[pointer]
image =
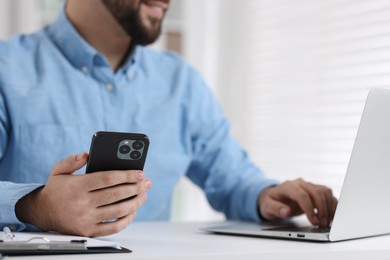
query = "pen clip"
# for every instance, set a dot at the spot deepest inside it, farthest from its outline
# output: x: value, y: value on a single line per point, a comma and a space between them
x: 8, y: 235
x: 38, y: 238
x: 43, y: 244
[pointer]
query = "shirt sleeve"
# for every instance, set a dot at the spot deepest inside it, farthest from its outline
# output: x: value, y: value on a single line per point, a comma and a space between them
x: 231, y: 181
x: 10, y: 192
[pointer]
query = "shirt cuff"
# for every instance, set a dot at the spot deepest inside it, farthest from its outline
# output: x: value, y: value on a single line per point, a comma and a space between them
x: 253, y: 197
x: 14, y: 194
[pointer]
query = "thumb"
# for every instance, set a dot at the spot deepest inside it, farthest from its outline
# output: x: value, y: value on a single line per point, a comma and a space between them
x: 276, y: 209
x: 70, y: 164
x: 284, y: 211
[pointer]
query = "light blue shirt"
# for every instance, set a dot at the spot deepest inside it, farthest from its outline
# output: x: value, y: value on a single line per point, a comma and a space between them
x: 56, y: 90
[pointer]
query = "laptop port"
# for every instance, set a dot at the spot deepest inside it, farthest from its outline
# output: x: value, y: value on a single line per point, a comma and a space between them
x: 300, y: 235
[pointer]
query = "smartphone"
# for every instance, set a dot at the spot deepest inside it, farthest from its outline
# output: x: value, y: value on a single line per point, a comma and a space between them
x: 117, y: 151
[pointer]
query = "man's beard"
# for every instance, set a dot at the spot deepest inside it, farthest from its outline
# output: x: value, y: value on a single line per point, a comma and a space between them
x: 130, y: 20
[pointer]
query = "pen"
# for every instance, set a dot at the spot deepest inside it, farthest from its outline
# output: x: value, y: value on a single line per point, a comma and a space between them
x: 8, y: 234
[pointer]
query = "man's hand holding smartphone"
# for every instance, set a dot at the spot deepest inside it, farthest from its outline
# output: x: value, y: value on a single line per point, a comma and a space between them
x: 81, y: 204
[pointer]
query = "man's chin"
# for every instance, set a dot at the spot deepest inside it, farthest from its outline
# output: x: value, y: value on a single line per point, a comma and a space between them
x: 145, y: 39
x: 149, y: 33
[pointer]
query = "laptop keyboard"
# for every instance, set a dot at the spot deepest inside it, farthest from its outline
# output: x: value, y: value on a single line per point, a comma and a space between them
x: 308, y: 229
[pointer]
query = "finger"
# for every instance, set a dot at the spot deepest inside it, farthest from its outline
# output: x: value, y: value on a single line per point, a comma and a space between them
x: 108, y: 228
x: 333, y: 207
x: 317, y: 194
x: 117, y: 193
x: 70, y: 164
x: 121, y: 209
x: 332, y: 203
x: 303, y: 199
x: 100, y: 180
x: 273, y: 209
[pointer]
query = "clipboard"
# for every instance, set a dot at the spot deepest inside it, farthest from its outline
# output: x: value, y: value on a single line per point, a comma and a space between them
x: 42, y: 245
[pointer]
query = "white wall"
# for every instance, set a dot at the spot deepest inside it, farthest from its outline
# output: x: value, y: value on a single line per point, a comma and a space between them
x: 19, y: 16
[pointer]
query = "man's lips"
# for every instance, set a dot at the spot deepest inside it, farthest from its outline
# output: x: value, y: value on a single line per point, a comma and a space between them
x: 156, y: 9
x: 161, y: 4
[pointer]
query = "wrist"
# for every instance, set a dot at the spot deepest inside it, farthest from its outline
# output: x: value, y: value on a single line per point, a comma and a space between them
x: 260, y: 201
x: 28, y: 209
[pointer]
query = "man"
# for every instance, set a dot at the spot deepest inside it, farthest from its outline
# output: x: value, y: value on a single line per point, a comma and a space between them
x: 88, y: 72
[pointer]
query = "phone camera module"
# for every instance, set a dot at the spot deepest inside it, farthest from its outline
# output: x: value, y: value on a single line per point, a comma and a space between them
x: 137, y: 145
x: 135, y: 155
x: 124, y: 149
x: 129, y: 149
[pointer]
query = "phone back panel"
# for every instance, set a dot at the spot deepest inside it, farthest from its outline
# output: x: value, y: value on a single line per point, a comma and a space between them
x: 117, y: 151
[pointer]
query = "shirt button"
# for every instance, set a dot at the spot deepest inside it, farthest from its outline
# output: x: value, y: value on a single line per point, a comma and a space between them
x: 84, y: 69
x: 129, y: 74
x: 109, y: 87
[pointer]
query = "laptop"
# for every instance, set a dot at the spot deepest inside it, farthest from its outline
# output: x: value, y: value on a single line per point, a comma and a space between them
x: 363, y: 209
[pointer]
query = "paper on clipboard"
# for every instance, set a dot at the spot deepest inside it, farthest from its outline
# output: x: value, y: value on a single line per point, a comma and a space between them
x: 91, y: 242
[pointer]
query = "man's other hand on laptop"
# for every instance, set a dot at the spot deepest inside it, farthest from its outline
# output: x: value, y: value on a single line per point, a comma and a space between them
x: 293, y: 198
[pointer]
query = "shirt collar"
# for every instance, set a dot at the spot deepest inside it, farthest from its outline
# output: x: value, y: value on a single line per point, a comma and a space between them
x: 79, y: 52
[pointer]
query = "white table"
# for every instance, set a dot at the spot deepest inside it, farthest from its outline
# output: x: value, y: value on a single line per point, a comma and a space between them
x: 165, y: 240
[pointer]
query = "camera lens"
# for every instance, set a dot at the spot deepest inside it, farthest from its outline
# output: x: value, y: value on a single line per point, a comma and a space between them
x: 124, y: 149
x: 137, y: 145
x: 135, y: 155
